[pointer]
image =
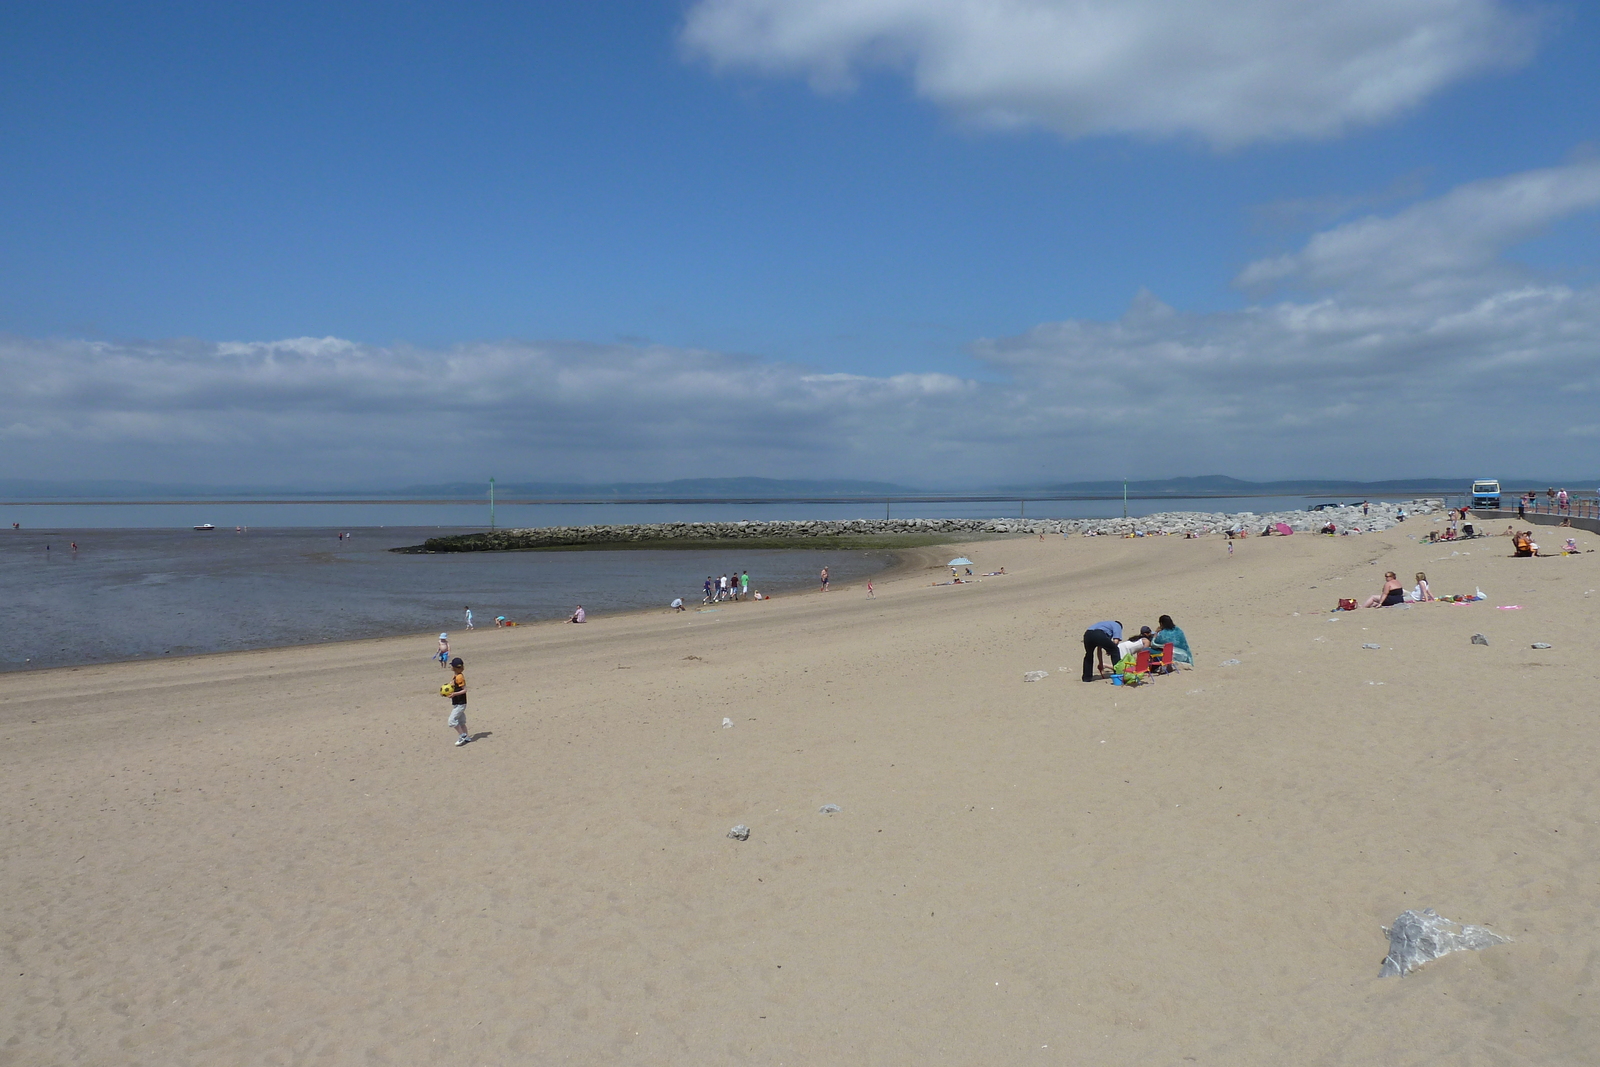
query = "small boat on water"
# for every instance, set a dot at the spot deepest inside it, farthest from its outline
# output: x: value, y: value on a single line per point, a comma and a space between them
x: 205, y: 526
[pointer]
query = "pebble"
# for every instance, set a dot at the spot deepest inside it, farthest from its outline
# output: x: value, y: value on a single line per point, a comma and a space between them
x: 740, y: 832
x: 1540, y: 644
x: 1479, y: 639
x: 1371, y: 646
x: 828, y: 809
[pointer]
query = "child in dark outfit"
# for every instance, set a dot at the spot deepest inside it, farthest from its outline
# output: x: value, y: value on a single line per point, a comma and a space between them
x: 458, y: 702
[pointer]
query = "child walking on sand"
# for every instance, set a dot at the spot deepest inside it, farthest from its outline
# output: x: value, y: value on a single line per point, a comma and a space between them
x: 444, y: 650
x: 457, y: 692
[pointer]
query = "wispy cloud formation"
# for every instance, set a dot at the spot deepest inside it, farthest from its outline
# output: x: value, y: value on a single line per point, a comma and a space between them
x: 1414, y: 340
x: 1455, y: 240
x: 1228, y: 71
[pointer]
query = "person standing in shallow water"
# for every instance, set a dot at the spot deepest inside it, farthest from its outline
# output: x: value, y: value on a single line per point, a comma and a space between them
x: 824, y: 577
x: 468, y: 610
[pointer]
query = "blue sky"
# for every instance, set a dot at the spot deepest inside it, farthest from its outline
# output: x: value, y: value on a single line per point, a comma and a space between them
x: 947, y: 242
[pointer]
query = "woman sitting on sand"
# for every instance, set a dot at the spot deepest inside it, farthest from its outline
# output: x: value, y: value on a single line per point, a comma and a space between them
x: 1169, y: 634
x: 1389, y: 595
x: 1422, y: 594
x: 579, y: 616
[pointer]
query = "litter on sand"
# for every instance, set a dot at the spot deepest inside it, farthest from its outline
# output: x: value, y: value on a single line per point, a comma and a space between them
x: 727, y: 724
x: 1371, y: 646
x: 740, y: 832
x: 1035, y: 676
x: 1230, y: 663
x: 1419, y: 937
x: 1540, y: 644
x: 828, y: 809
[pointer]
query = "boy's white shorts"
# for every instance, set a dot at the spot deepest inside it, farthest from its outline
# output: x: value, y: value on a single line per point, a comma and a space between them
x: 458, y: 715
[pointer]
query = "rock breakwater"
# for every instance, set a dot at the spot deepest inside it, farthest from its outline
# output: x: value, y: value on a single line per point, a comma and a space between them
x: 799, y: 533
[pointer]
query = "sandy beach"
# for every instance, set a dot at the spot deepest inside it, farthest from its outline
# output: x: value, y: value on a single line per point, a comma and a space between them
x: 279, y: 857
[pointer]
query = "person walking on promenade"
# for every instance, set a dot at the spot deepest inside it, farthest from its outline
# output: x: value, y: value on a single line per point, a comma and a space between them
x: 469, y: 618
x: 1101, y: 637
x: 457, y: 692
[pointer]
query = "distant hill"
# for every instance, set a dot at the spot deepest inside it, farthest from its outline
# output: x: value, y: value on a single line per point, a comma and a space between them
x: 680, y: 488
x: 1211, y: 485
x: 689, y: 488
x: 1222, y: 485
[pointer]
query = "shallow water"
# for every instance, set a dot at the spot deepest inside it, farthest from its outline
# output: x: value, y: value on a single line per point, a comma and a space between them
x: 133, y: 594
x: 387, y: 513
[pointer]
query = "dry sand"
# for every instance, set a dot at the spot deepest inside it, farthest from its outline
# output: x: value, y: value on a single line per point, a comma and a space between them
x: 279, y: 858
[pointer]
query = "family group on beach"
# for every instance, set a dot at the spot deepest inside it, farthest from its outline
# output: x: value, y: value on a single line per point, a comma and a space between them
x: 1156, y: 651
x: 723, y: 587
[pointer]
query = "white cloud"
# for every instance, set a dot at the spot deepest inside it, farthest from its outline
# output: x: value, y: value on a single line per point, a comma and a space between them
x: 1454, y: 240
x: 1424, y: 351
x: 1228, y: 71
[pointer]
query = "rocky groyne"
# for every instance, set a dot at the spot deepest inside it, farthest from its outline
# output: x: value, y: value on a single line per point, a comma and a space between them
x: 800, y: 533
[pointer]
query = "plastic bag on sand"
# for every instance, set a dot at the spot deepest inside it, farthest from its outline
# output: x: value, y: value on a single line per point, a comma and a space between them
x: 1418, y: 937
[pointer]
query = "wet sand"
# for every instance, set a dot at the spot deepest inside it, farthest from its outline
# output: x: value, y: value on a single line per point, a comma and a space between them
x: 279, y: 857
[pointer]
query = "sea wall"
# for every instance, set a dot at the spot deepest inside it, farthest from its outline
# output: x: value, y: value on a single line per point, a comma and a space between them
x: 799, y: 531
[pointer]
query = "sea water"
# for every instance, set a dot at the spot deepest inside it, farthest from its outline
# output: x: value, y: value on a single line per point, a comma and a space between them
x: 142, y: 584
x: 460, y: 517
x: 136, y: 594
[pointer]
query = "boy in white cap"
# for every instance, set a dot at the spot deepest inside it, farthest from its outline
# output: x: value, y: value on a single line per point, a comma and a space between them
x: 444, y: 650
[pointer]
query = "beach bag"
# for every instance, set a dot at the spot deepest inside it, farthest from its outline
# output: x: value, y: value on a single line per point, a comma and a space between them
x: 1345, y: 605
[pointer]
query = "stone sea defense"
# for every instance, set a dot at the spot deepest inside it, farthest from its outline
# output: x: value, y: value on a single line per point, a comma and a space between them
x: 740, y: 832
x: 799, y: 531
x: 1479, y: 639
x: 1419, y: 937
x: 828, y: 809
x: 1035, y: 676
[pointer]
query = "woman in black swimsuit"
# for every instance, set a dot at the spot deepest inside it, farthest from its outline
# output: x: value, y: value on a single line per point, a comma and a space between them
x: 1392, y: 593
